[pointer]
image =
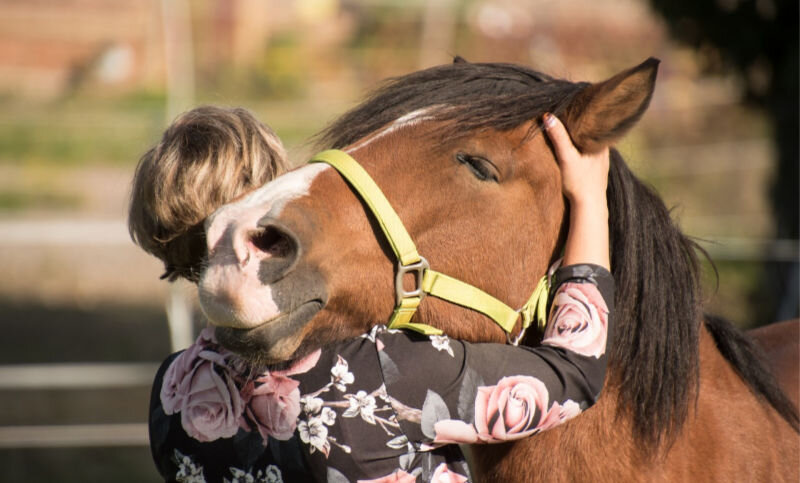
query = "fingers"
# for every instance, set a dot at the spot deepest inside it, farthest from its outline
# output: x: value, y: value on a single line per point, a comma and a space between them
x: 557, y: 133
x: 584, y: 177
x: 565, y: 150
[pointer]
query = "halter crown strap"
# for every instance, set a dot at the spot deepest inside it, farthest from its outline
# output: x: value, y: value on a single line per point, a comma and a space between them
x: 428, y: 281
x: 390, y: 223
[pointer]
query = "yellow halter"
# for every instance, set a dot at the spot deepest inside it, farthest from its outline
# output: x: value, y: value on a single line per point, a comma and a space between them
x: 428, y: 281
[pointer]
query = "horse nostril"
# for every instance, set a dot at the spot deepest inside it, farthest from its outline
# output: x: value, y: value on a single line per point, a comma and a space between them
x: 273, y: 242
x: 277, y: 250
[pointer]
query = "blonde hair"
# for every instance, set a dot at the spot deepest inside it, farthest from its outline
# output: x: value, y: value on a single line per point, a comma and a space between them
x: 206, y: 158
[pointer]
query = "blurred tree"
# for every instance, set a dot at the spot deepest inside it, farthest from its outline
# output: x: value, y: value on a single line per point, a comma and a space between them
x: 759, y: 40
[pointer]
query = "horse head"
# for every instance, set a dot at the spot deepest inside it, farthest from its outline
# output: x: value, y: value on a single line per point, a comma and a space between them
x: 301, y: 262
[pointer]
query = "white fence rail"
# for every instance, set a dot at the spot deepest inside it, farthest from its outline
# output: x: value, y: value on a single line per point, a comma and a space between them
x: 75, y: 376
x: 71, y: 436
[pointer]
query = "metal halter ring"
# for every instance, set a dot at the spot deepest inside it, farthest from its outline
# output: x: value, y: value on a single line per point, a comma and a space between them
x: 418, y: 269
x: 518, y: 338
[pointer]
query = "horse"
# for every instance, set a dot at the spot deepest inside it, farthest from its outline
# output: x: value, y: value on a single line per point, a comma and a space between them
x: 780, y: 346
x: 458, y: 152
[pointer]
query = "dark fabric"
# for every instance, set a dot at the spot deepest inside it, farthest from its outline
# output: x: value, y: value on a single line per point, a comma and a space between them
x: 390, y: 402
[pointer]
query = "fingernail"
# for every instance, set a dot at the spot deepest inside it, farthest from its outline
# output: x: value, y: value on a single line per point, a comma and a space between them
x: 548, y: 120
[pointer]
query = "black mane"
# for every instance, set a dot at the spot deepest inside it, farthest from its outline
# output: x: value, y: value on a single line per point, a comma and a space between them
x: 477, y: 96
x: 654, y: 361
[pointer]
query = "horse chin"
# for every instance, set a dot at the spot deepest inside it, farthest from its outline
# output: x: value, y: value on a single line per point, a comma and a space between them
x: 273, y: 343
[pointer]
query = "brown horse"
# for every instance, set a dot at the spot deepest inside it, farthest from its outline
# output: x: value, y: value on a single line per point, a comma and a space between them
x: 456, y: 149
x: 781, y: 345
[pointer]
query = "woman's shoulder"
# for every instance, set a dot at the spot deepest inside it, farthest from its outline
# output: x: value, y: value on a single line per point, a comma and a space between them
x: 210, y: 419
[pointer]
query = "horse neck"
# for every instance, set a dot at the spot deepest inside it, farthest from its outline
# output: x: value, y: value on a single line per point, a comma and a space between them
x: 599, y: 445
x: 730, y: 435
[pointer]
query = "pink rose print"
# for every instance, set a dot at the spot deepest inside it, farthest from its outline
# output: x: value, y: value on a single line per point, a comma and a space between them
x: 558, y: 414
x: 173, y: 389
x: 442, y: 474
x: 172, y: 392
x: 203, y: 384
x: 207, y: 336
x: 398, y: 476
x: 454, y: 431
x: 273, y: 406
x: 177, y: 376
x: 506, y: 411
x: 578, y: 320
x: 211, y: 405
x: 300, y: 366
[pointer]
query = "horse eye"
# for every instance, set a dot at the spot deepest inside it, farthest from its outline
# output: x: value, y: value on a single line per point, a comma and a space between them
x: 482, y: 168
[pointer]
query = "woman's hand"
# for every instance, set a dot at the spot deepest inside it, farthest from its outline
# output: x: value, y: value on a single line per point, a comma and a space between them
x: 584, y: 179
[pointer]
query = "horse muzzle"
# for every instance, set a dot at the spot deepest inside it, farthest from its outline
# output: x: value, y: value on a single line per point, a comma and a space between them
x: 257, y: 289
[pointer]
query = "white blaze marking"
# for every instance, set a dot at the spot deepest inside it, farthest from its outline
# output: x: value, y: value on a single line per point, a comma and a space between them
x: 272, y: 197
x: 410, y: 119
x: 284, y: 188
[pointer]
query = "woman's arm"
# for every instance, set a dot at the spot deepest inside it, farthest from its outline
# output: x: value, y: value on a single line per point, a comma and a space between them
x: 450, y: 391
x: 584, y: 179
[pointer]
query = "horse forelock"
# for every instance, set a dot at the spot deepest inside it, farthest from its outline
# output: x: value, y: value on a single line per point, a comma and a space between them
x: 475, y: 96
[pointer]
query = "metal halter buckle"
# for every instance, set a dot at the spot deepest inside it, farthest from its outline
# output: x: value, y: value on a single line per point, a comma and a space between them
x: 418, y: 269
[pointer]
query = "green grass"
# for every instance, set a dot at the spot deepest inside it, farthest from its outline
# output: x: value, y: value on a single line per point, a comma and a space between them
x: 78, y: 131
x: 731, y: 294
x: 16, y: 200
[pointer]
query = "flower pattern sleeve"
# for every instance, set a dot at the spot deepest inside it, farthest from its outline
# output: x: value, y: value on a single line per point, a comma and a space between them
x: 486, y: 393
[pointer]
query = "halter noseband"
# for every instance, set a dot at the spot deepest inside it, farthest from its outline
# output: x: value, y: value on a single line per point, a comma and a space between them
x: 429, y: 281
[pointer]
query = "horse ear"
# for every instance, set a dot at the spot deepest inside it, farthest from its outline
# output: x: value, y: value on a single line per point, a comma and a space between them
x: 459, y: 60
x: 602, y: 113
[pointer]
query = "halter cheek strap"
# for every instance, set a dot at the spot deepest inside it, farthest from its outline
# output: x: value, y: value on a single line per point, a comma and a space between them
x: 428, y: 281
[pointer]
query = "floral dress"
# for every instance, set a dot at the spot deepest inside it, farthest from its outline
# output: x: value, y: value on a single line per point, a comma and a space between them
x: 386, y: 406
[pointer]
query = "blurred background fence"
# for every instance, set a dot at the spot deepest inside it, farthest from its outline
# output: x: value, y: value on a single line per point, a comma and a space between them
x: 87, y: 85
